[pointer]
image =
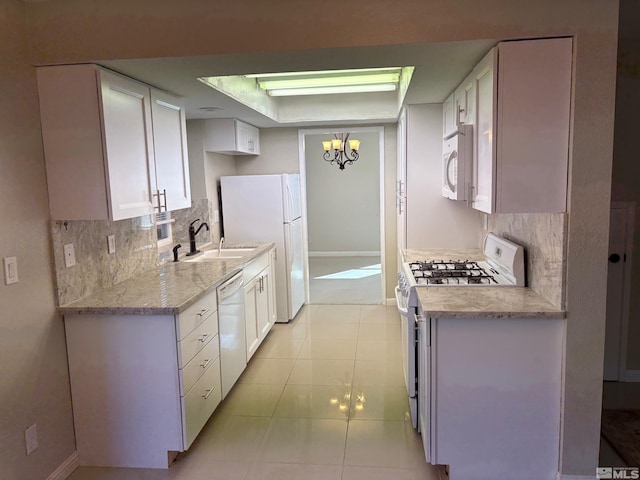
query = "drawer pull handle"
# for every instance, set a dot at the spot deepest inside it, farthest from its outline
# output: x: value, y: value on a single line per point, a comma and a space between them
x: 208, y: 392
x: 204, y: 337
x: 202, y: 312
x: 206, y: 363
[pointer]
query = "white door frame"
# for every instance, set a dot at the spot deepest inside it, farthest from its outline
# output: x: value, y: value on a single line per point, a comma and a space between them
x: 630, y: 207
x: 303, y: 186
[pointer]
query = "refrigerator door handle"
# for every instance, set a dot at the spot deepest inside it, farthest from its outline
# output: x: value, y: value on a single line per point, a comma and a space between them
x: 289, y: 206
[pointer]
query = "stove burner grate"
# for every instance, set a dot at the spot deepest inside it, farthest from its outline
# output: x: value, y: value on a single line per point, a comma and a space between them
x: 451, y: 273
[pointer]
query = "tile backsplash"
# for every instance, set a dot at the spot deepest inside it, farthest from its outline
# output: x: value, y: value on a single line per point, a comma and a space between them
x: 136, y: 249
x: 543, y: 236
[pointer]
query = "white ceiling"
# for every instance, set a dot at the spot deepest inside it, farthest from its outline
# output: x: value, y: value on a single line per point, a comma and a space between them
x: 440, y: 67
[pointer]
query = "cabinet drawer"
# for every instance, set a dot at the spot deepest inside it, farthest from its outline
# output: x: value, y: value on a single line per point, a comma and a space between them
x: 199, y: 364
x: 255, y: 267
x: 197, y: 339
x: 200, y: 402
x: 195, y: 314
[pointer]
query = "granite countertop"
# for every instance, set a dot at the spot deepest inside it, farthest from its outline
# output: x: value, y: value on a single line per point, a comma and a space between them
x: 430, y: 254
x: 485, y: 302
x: 166, y: 290
x: 477, y: 302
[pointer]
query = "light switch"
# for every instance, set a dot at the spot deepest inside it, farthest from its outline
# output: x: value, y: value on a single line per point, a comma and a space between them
x: 69, y: 255
x: 10, y: 270
x: 216, y: 216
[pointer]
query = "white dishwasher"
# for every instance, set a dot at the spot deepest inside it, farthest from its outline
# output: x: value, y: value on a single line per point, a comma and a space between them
x: 233, y: 350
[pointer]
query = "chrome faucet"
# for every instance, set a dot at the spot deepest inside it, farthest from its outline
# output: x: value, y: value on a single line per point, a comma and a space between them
x: 192, y: 236
x: 220, y: 245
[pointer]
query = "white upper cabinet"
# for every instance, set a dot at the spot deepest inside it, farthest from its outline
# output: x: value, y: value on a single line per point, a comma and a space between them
x: 448, y: 116
x: 483, y: 133
x: 172, y: 186
x: 232, y: 137
x: 521, y: 131
x: 98, y: 136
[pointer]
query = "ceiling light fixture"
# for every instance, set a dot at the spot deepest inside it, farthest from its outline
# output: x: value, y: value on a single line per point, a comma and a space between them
x: 335, y: 150
x: 324, y: 82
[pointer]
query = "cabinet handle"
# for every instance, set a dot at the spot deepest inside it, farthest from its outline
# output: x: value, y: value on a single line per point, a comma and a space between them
x: 206, y: 363
x: 157, y: 207
x: 204, y: 337
x: 164, y: 194
x: 202, y: 312
x: 207, y: 393
x: 460, y: 110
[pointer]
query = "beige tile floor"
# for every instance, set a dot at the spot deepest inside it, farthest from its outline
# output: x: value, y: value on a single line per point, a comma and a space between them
x: 322, y: 399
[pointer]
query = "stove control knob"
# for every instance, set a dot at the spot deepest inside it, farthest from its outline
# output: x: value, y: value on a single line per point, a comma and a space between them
x: 614, y: 258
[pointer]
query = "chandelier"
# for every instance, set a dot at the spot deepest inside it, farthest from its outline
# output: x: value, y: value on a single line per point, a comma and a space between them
x: 335, y: 151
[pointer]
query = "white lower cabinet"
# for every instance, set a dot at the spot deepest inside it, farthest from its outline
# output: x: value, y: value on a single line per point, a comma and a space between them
x: 143, y: 386
x: 259, y: 307
x: 490, y: 396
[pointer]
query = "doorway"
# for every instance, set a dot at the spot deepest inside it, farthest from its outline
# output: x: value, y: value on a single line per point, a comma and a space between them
x: 618, y: 289
x: 344, y: 221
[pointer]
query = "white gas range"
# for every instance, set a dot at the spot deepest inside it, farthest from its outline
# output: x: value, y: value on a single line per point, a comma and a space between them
x: 502, y: 266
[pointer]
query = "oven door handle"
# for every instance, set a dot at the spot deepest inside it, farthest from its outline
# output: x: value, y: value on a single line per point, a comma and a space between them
x: 402, y: 310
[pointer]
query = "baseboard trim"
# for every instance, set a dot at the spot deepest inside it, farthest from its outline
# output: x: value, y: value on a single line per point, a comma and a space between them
x: 67, y: 467
x: 391, y: 301
x: 560, y: 476
x: 632, y: 376
x: 344, y: 254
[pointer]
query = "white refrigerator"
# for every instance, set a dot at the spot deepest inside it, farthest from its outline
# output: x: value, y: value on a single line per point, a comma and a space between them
x: 267, y: 208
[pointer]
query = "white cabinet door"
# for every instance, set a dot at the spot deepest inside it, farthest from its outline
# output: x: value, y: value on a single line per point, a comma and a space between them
x: 263, y: 304
x: 126, y: 111
x: 247, y: 138
x: 448, y: 115
x: 464, y: 103
x: 271, y: 285
x: 534, y: 108
x: 484, y: 160
x: 171, y: 179
x: 251, y: 295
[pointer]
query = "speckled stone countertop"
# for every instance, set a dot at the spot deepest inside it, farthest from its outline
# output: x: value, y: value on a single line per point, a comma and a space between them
x: 167, y: 290
x: 430, y: 254
x: 485, y: 302
x: 477, y: 302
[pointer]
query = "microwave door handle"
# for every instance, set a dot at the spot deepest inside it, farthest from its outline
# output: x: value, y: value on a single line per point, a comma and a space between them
x: 452, y: 155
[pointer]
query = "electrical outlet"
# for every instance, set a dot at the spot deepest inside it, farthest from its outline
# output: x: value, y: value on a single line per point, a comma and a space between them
x: 485, y: 221
x: 31, y: 439
x: 10, y: 270
x: 69, y: 255
x: 216, y: 216
x: 111, y: 243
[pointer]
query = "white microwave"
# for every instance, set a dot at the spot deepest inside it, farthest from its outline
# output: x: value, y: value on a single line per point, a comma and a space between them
x: 457, y: 160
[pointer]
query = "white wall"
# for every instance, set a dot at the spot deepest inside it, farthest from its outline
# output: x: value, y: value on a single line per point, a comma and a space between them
x: 278, y: 153
x: 125, y: 29
x: 205, y: 170
x: 432, y: 220
x: 343, y: 206
x: 34, y: 381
